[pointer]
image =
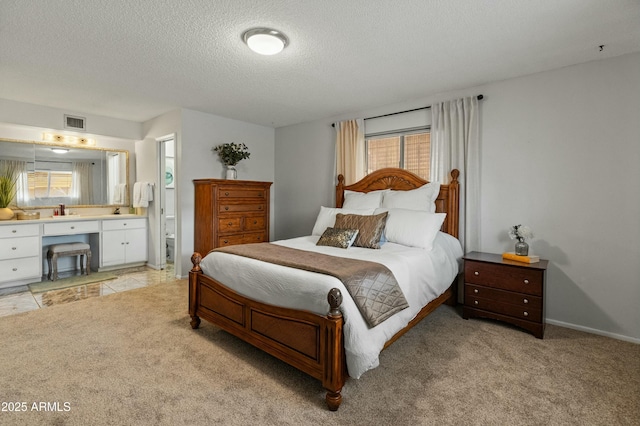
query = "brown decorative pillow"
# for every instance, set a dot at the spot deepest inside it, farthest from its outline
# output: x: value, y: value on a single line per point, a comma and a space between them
x: 341, y: 238
x: 370, y: 228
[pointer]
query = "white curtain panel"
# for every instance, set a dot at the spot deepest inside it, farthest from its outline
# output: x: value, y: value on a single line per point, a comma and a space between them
x: 82, y: 183
x: 350, y: 153
x: 455, y: 144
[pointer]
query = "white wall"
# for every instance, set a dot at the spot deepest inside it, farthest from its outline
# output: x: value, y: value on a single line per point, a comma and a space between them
x: 200, y: 132
x: 560, y: 153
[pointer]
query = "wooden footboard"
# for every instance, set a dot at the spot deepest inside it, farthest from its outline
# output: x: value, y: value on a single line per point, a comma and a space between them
x: 310, y: 342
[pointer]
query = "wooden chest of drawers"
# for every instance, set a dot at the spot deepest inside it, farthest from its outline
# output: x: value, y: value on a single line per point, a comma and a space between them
x: 229, y: 212
x: 505, y: 290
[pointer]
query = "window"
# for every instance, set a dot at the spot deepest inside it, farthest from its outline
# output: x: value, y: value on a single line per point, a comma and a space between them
x: 406, y: 150
x: 49, y: 184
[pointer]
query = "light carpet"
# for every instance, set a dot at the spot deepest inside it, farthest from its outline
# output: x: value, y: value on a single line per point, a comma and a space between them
x: 132, y: 359
x: 76, y: 280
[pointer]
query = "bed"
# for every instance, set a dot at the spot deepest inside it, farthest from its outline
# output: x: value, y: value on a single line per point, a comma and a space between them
x: 314, y: 332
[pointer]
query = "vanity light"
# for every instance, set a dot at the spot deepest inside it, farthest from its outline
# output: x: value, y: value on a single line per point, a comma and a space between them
x: 68, y: 139
x: 265, y: 41
x: 60, y: 150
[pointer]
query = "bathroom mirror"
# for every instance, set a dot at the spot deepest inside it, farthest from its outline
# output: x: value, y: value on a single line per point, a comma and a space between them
x: 51, y: 174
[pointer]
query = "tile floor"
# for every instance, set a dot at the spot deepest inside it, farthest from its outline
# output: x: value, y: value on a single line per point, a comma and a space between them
x: 127, y: 279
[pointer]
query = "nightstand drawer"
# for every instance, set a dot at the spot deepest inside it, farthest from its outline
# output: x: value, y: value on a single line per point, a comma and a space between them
x: 519, y: 299
x: 517, y: 311
x: 254, y: 237
x: 249, y: 207
x: 253, y: 223
x: 504, y: 277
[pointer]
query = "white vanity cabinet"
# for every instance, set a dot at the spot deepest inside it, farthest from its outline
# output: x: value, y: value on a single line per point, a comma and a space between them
x: 19, y: 254
x: 124, y: 242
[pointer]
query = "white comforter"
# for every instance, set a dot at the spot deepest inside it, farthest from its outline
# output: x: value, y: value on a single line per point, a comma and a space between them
x: 422, y: 275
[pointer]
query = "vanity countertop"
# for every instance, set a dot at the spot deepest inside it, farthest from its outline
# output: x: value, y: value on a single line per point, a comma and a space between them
x: 72, y: 217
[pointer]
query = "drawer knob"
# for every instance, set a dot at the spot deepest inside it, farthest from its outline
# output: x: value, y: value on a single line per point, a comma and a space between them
x: 226, y: 241
x: 475, y: 290
x: 14, y: 231
x: 526, y: 300
x: 73, y: 227
x: 124, y: 224
x: 15, y: 269
x: 476, y: 273
x: 230, y: 223
x: 226, y: 207
x: 13, y: 248
x: 226, y: 193
x: 526, y: 314
x: 475, y: 302
x: 255, y: 222
x: 259, y: 207
x: 526, y: 281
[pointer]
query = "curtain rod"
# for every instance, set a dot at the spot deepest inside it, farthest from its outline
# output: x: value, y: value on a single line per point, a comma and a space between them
x: 480, y: 97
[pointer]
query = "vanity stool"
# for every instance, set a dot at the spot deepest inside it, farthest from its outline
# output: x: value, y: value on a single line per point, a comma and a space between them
x: 67, y: 249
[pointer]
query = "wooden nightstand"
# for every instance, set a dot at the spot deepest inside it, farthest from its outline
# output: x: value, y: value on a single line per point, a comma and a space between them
x: 505, y: 290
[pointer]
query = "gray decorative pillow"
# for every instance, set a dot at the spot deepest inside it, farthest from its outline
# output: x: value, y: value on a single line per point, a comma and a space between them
x: 341, y: 238
x: 370, y: 228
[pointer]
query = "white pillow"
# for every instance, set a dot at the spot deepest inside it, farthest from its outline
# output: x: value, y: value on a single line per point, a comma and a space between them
x: 422, y: 198
x: 362, y: 200
x: 411, y: 227
x: 327, y: 218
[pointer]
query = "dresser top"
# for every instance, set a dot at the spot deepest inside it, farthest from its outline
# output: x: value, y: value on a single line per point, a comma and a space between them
x: 497, y: 258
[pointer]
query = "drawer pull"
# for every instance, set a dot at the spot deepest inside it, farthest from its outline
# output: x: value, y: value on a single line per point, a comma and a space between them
x: 230, y: 224
x: 526, y: 281
x: 14, y: 231
x: 476, y: 273
x: 259, y: 207
x: 526, y: 300
x: 124, y: 224
x: 255, y: 222
x: 526, y: 314
x: 475, y: 290
x: 475, y: 302
x: 15, y: 269
x: 226, y: 193
x: 73, y: 227
x: 226, y: 207
x: 13, y: 248
x: 226, y: 241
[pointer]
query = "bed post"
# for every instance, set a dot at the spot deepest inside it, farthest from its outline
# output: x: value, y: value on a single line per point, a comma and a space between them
x: 334, y: 375
x: 193, y: 289
x: 340, y: 191
x: 454, y: 204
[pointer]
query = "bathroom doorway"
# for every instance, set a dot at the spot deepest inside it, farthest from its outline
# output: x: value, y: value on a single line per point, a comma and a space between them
x: 168, y: 227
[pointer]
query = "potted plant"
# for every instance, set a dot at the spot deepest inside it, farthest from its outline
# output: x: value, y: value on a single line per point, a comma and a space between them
x: 8, y: 182
x: 231, y: 154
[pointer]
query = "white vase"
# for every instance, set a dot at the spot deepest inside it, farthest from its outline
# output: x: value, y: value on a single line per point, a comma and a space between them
x: 232, y: 173
x: 6, y: 213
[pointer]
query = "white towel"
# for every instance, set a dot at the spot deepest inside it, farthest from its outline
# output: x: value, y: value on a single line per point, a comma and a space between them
x: 120, y: 193
x: 142, y: 194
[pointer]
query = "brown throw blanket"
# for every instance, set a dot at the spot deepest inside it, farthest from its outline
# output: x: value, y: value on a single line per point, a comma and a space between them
x: 371, y: 285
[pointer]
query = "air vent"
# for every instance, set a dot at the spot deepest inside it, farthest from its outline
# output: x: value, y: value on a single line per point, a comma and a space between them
x: 74, y: 122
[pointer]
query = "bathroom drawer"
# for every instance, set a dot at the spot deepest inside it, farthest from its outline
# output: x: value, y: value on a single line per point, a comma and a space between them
x: 18, y: 269
x: 114, y: 225
x: 14, y: 248
x: 9, y: 231
x: 70, y: 228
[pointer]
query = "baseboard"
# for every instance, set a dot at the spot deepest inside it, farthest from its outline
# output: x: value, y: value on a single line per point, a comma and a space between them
x: 593, y: 331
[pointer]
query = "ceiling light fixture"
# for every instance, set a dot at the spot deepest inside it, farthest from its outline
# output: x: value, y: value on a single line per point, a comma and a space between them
x: 60, y: 150
x: 265, y: 41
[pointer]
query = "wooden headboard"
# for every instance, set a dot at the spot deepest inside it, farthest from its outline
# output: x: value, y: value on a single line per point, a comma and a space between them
x: 403, y: 180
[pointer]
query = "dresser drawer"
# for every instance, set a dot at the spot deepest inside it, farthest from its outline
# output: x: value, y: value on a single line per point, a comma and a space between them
x: 253, y: 223
x: 13, y: 248
x: 230, y: 224
x: 9, y: 231
x: 519, y: 299
x: 252, y: 237
x: 18, y: 269
x: 504, y: 277
x: 70, y: 228
x: 516, y: 311
x: 246, y: 207
x: 246, y: 192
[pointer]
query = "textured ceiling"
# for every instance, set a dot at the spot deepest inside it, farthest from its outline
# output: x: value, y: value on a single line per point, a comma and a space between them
x: 139, y: 59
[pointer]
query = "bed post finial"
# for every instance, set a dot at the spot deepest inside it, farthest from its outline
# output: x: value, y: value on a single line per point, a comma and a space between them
x: 196, y: 258
x: 455, y: 173
x: 335, y: 300
x: 340, y: 191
